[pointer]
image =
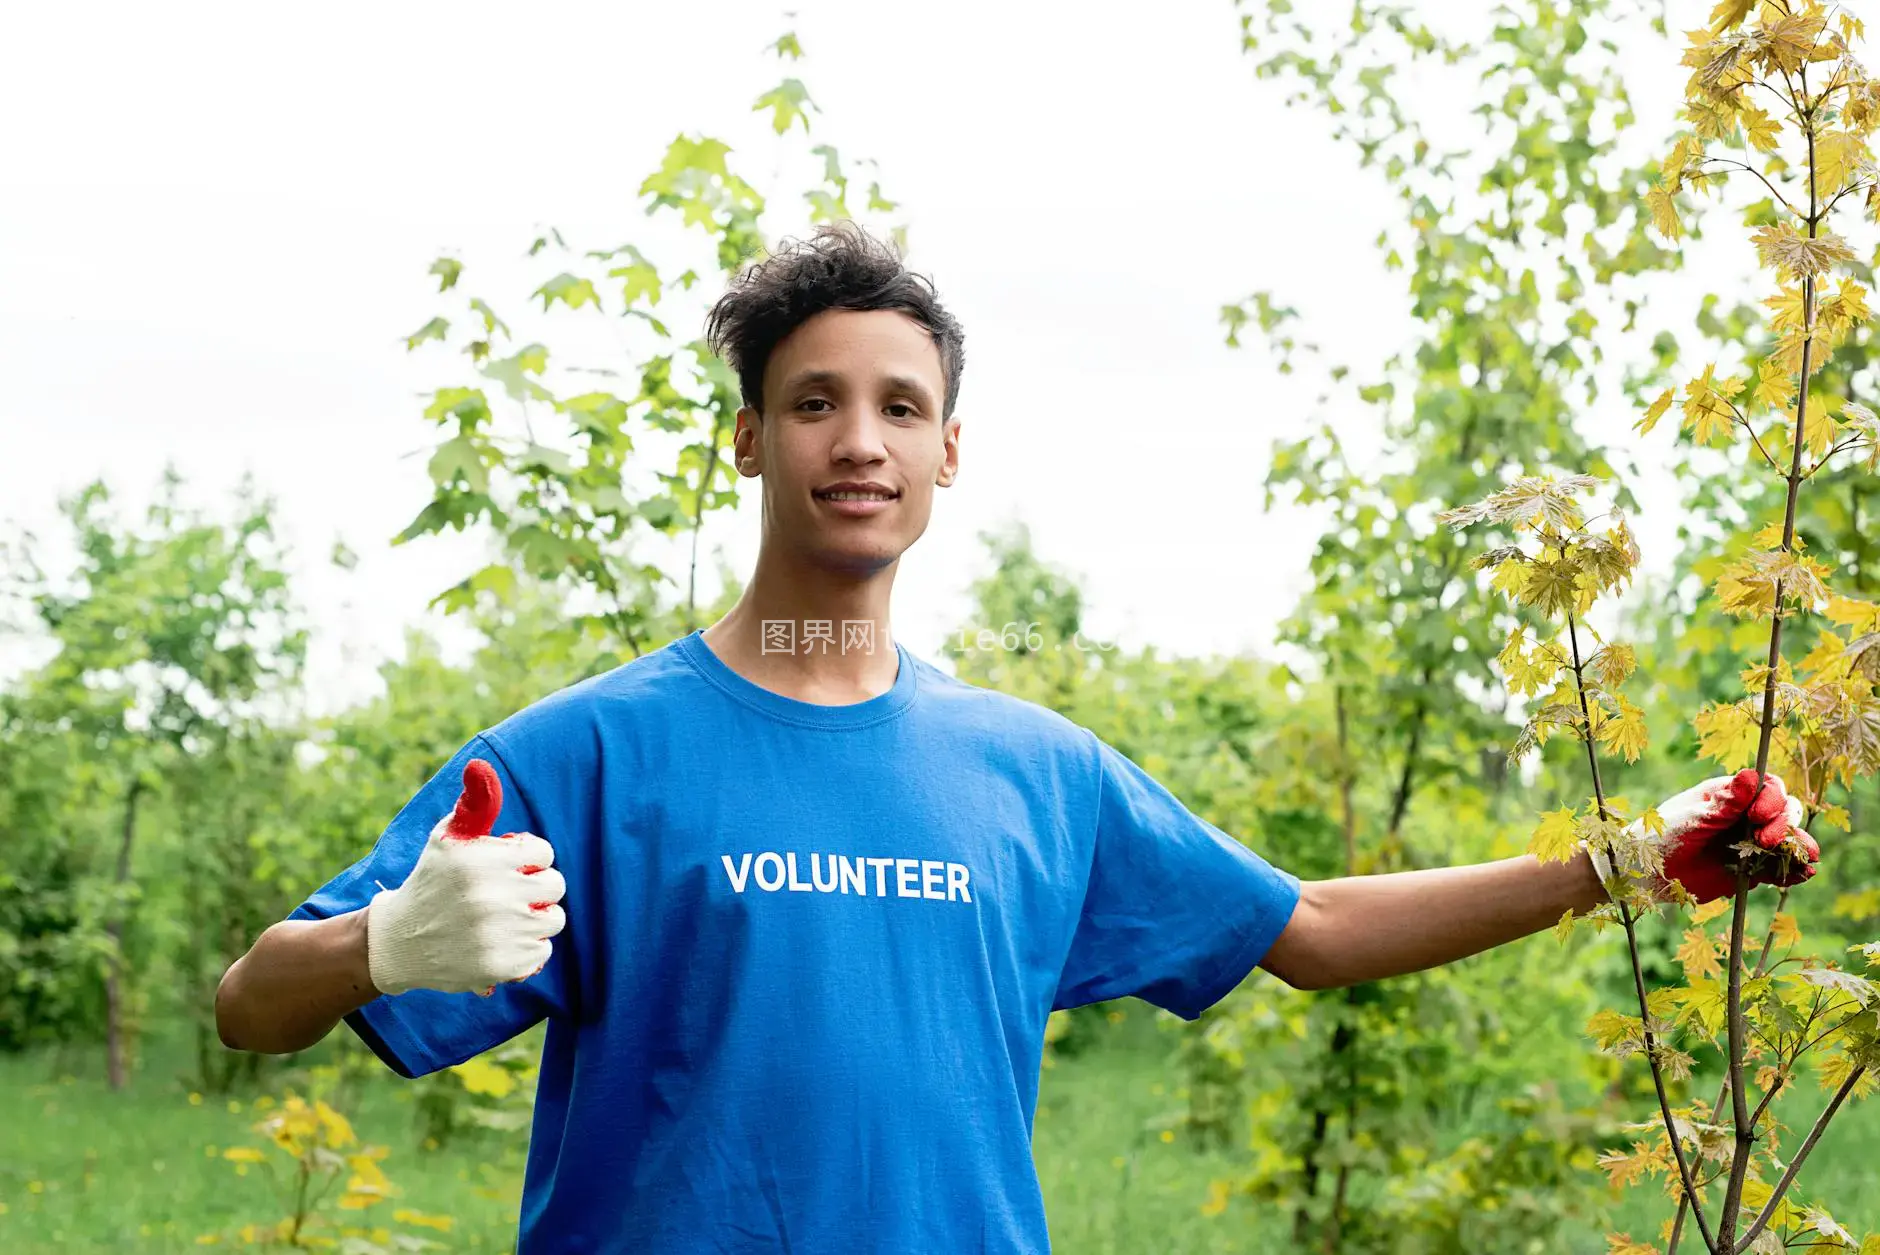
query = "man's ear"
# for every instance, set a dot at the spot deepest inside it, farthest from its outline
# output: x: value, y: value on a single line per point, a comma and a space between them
x: 746, y: 448
x: 950, y: 463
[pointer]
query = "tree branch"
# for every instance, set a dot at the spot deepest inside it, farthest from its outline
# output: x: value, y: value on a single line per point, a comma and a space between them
x: 1745, y: 1128
x: 1795, y: 1164
x: 1638, y: 969
x: 1774, y: 465
x: 1725, y: 161
x: 1762, y: 965
x: 1746, y: 1136
x: 1830, y: 454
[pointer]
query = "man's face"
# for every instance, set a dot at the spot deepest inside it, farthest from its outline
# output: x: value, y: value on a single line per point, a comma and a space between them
x: 851, y: 444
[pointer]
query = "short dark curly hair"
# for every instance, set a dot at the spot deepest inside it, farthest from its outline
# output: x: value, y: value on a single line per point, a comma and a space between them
x: 841, y: 266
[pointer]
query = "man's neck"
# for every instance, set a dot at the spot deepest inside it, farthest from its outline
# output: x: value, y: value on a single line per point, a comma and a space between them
x: 809, y: 633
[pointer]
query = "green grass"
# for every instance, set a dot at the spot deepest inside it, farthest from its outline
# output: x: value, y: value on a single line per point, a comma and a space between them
x: 1112, y: 1185
x: 84, y: 1170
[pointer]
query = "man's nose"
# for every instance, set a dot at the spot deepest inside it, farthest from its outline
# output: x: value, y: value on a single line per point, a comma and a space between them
x: 860, y: 440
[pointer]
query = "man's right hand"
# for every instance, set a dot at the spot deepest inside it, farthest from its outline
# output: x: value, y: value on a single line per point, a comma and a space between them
x: 476, y: 911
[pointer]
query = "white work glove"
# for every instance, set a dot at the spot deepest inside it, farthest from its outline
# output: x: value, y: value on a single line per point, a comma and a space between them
x: 1710, y: 828
x: 476, y: 911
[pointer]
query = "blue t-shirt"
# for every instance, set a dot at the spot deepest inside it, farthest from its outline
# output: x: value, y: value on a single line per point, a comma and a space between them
x: 799, y: 1004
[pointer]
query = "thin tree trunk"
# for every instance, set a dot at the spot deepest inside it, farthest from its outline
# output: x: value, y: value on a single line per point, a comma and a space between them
x: 1348, y: 815
x: 115, y: 1029
x: 1406, y: 782
x: 698, y: 524
x: 1302, y: 1217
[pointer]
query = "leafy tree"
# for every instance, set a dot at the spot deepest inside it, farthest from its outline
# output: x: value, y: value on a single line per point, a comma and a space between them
x: 634, y: 466
x: 171, y: 639
x: 1815, y: 719
x: 1514, y: 244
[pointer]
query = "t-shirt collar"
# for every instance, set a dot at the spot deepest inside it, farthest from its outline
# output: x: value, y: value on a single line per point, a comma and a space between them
x: 887, y: 705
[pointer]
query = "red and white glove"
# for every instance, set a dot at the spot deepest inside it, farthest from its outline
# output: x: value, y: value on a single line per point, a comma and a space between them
x: 1709, y: 829
x: 476, y: 911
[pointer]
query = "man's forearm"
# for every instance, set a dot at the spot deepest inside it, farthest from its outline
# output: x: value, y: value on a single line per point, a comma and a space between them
x: 300, y: 979
x: 1362, y: 928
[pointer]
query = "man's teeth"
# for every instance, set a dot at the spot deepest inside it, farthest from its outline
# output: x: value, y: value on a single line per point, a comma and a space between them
x: 858, y: 496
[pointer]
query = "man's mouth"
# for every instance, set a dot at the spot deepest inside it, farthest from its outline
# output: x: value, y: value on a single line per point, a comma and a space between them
x: 856, y: 494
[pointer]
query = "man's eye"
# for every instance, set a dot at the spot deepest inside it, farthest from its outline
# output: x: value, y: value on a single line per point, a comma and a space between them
x: 812, y: 401
x: 899, y: 406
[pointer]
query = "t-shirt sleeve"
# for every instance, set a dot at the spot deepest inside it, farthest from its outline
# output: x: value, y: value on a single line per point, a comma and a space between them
x: 1175, y: 912
x: 423, y: 1030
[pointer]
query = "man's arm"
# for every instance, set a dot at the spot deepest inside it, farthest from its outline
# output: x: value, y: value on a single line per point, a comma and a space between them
x: 1364, y: 928
x: 301, y: 977
x: 476, y: 911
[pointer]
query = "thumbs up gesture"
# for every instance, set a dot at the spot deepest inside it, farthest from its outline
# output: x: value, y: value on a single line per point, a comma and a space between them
x: 476, y: 911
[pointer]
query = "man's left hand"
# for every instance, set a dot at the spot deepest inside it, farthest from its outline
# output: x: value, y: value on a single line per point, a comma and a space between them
x: 1713, y: 828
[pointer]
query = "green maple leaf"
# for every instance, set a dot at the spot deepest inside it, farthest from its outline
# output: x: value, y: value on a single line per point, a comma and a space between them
x: 638, y: 280
x: 436, y: 329
x: 467, y: 405
x: 456, y: 459
x: 569, y: 290
x: 789, y: 101
x: 491, y: 323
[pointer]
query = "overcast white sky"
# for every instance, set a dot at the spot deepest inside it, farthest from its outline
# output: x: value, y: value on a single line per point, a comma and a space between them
x: 215, y: 220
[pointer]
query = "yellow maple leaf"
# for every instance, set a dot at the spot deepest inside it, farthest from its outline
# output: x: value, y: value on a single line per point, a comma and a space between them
x: 1707, y: 408
x: 1834, y: 1070
x: 1783, y: 930
x: 1862, y: 616
x: 1625, y: 733
x: 1698, y: 955
x: 1706, y: 1001
x: 1728, y: 734
x: 1775, y: 388
x: 1825, y: 661
x: 1622, y: 1244
x: 1654, y: 412
x: 1664, y: 212
x: 1710, y: 910
x: 1853, y: 298
x: 1609, y: 1029
x: 1844, y: 310
x: 1818, y: 426
x: 1563, y: 929
x: 1793, y: 254
x: 1787, y: 354
x: 1553, y: 839
x: 1760, y: 129
x: 1528, y: 673
x: 1613, y: 664
x: 1729, y: 13
x: 1511, y: 578
x: 1791, y: 39
x: 1623, y: 1168
x: 1769, y: 536
x: 1837, y: 153
x: 1785, y: 308
x: 1688, y: 151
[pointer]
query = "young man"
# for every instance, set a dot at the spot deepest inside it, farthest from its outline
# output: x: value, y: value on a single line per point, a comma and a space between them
x: 811, y: 899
